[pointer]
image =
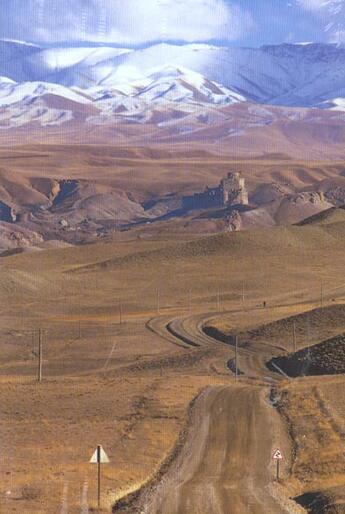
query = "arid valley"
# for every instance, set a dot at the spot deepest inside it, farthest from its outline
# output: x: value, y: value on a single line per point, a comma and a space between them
x: 172, y: 255
x: 138, y: 333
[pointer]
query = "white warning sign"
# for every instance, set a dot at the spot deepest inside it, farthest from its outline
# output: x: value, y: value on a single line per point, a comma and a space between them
x: 99, y: 457
x: 277, y: 455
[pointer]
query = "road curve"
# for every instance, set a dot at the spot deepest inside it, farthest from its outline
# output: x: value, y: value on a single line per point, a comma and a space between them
x: 188, y: 331
x: 225, y: 465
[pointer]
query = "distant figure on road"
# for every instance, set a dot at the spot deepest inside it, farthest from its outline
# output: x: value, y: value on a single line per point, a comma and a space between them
x: 264, y: 304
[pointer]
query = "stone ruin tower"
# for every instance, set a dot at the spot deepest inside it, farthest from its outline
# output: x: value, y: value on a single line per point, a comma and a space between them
x: 234, y: 189
x: 230, y: 193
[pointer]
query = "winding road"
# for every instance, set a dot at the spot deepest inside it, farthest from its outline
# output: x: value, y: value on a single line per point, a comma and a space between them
x: 225, y: 465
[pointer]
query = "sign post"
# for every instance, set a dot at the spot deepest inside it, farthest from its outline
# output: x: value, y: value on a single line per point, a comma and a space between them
x: 99, y: 457
x: 278, y: 456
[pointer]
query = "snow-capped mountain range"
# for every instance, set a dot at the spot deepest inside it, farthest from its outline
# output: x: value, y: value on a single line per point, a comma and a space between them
x: 49, y: 85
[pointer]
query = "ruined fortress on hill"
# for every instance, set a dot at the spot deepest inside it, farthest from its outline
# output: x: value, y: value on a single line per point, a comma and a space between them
x: 230, y: 192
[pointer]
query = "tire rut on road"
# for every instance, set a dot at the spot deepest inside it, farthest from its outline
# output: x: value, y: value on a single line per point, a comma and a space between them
x: 224, y: 466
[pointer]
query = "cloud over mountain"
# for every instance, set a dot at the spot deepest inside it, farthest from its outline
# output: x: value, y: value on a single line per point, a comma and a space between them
x: 312, y: 4
x: 332, y: 14
x: 133, y: 22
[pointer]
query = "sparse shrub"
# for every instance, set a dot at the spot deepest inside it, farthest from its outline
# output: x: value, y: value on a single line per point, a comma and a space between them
x: 30, y: 493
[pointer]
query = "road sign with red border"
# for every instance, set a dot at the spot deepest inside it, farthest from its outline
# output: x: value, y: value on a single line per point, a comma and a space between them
x: 277, y: 455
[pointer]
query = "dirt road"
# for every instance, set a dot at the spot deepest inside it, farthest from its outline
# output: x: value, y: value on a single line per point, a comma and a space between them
x: 225, y: 465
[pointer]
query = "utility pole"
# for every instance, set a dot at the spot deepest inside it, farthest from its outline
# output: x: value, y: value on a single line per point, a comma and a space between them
x: 79, y: 312
x: 120, y: 310
x: 236, y: 358
x: 40, y: 355
x: 294, y: 336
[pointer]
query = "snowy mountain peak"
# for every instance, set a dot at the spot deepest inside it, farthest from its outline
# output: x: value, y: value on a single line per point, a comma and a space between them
x: 168, y: 84
x: 180, y: 84
x: 13, y: 93
x: 314, y: 51
x: 18, y: 42
x: 136, y: 82
x: 6, y: 80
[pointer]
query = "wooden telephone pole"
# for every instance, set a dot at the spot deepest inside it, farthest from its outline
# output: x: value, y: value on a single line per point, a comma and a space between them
x: 40, y: 355
x: 120, y: 311
x: 218, y: 300
x: 294, y: 336
x: 158, y: 302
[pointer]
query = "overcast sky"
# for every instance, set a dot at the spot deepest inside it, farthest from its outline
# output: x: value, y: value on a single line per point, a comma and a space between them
x: 139, y: 22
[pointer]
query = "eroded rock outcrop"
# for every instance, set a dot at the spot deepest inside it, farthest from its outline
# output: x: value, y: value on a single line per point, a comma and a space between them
x: 7, y: 213
x: 234, y: 221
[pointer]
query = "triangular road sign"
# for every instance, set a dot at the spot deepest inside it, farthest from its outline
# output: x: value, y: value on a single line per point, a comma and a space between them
x: 278, y: 455
x: 99, y: 456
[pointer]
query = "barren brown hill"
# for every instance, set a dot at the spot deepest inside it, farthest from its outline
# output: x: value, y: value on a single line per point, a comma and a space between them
x: 238, y: 130
x: 79, y: 193
x: 159, y: 169
x: 124, y: 386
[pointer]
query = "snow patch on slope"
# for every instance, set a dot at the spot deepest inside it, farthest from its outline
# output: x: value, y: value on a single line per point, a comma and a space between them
x: 12, y: 93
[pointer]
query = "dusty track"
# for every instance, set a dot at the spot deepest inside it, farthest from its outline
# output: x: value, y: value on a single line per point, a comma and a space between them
x: 225, y: 464
x: 188, y: 331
